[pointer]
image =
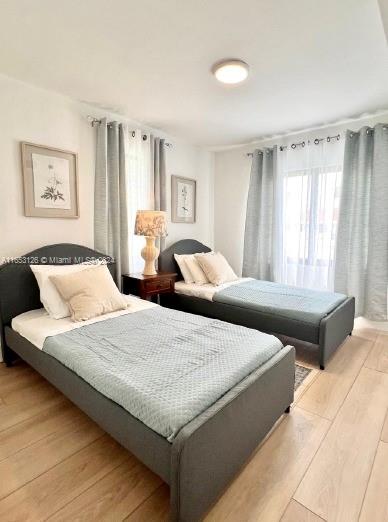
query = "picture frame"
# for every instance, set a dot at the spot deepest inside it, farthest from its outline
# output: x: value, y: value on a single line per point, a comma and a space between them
x: 183, y: 199
x: 50, y: 182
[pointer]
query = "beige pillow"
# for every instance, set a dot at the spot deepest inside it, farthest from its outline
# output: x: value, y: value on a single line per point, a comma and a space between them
x: 196, y: 271
x: 216, y: 268
x: 55, y: 306
x: 89, y: 293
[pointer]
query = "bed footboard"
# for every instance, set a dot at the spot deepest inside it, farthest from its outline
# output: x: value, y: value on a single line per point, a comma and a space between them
x: 210, y: 450
x: 334, y: 329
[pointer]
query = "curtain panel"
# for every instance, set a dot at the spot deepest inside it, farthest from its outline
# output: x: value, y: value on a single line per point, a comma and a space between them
x: 158, y: 172
x: 362, y: 241
x: 130, y: 176
x: 258, y: 259
x: 111, y: 194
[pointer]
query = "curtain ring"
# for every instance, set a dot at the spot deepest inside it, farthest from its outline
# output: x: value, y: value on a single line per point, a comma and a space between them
x: 133, y: 134
x: 144, y: 137
x: 303, y: 143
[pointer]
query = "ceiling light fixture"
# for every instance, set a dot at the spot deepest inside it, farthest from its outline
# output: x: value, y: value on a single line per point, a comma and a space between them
x: 230, y: 71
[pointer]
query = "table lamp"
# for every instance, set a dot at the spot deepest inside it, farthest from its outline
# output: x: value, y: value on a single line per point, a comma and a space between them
x: 151, y: 224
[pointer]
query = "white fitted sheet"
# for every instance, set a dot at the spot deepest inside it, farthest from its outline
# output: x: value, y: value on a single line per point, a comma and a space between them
x: 204, y: 291
x: 36, y: 325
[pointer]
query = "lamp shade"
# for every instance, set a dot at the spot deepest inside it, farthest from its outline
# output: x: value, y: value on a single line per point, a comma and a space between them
x: 151, y: 223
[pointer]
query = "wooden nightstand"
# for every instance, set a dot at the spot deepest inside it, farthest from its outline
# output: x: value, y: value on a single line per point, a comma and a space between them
x: 147, y: 287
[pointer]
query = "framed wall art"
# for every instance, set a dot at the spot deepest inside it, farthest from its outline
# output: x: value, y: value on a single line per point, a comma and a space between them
x: 50, y: 179
x: 183, y: 199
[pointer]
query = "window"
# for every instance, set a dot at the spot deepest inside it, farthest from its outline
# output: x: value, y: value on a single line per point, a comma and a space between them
x: 140, y: 193
x: 310, y: 187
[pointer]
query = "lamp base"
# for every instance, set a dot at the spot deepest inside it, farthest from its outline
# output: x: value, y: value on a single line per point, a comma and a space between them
x: 149, y: 253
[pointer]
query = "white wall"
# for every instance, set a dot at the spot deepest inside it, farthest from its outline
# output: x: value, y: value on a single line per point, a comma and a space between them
x: 37, y: 116
x: 43, y: 117
x: 191, y: 162
x: 232, y: 170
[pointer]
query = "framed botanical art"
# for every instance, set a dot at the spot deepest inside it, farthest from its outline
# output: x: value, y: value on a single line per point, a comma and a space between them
x: 50, y: 178
x: 183, y: 199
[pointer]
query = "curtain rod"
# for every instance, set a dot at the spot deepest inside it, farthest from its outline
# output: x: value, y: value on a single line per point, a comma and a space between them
x: 302, y: 144
x: 95, y: 121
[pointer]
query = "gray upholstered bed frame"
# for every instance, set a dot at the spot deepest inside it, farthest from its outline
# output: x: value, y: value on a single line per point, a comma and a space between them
x: 207, y: 452
x: 329, y: 335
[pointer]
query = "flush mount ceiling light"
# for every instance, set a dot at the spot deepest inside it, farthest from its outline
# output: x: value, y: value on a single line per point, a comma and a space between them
x: 230, y: 71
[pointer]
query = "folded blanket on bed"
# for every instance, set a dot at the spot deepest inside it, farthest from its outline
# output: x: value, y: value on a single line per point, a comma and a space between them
x: 301, y: 304
x: 164, y: 367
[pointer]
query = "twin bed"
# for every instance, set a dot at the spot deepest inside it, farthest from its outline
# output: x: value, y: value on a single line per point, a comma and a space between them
x: 174, y: 389
x: 321, y: 318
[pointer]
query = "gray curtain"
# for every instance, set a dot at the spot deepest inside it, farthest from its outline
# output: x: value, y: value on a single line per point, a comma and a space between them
x: 110, y: 195
x: 258, y: 260
x: 361, y: 266
x: 158, y: 166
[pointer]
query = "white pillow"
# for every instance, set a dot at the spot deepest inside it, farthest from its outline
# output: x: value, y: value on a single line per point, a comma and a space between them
x: 216, y: 268
x: 198, y: 274
x: 55, y: 306
x: 186, y: 274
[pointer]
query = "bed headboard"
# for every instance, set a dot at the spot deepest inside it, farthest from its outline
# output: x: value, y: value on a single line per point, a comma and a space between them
x: 19, y: 291
x: 166, y: 261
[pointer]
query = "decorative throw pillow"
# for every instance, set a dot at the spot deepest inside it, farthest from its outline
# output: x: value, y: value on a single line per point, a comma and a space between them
x: 186, y: 274
x: 89, y: 293
x: 55, y: 306
x: 216, y: 268
x: 196, y: 271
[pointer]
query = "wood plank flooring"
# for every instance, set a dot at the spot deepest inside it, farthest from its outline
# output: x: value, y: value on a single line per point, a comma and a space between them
x: 336, y: 480
x: 375, y: 505
x: 378, y: 356
x: 297, y: 512
x: 384, y: 435
x: 325, y: 461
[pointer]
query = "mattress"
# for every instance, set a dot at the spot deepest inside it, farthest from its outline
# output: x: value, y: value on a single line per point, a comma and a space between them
x: 205, y: 291
x: 37, y: 325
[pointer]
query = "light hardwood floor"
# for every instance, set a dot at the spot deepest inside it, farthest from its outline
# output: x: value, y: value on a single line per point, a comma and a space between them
x: 325, y: 461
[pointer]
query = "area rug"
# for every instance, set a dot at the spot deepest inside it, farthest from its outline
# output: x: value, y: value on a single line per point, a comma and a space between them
x: 301, y: 372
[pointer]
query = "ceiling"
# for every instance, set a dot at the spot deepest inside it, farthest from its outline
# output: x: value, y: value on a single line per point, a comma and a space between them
x: 312, y: 62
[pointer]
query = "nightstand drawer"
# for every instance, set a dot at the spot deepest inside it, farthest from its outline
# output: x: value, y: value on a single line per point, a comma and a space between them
x: 149, y: 287
x: 158, y: 285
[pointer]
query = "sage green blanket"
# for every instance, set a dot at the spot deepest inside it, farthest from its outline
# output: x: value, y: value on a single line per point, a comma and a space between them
x: 300, y: 304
